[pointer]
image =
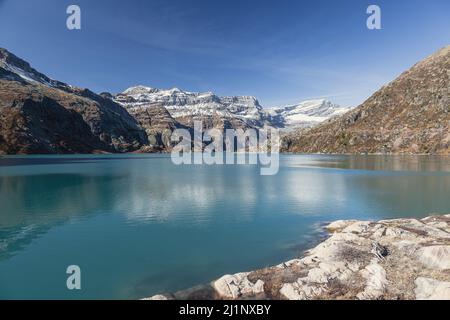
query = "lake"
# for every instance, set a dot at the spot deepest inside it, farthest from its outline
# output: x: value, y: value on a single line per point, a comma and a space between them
x: 138, y: 225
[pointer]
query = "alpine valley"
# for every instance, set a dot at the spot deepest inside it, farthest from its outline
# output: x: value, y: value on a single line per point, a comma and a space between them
x: 410, y: 115
x: 42, y: 115
x: 39, y: 115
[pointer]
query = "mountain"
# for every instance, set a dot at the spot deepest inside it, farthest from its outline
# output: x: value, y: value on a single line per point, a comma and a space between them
x: 185, y: 107
x: 307, y: 113
x: 153, y: 118
x: 409, y: 115
x: 41, y: 115
x: 226, y: 112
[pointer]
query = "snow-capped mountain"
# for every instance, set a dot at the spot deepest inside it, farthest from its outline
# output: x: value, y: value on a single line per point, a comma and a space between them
x: 21, y: 68
x: 308, y: 113
x: 183, y: 104
x: 140, y: 118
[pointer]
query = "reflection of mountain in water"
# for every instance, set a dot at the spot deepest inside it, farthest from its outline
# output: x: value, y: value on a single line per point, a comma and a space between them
x: 32, y: 204
x: 384, y: 163
x: 38, y: 194
x: 377, y: 186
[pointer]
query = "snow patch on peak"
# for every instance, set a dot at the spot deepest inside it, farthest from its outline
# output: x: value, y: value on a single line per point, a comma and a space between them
x: 180, y: 103
x: 309, y: 113
x: 139, y: 90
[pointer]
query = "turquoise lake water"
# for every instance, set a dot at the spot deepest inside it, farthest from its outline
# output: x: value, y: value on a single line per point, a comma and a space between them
x: 138, y: 225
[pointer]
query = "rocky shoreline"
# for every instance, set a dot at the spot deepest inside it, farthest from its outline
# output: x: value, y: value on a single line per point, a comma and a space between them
x: 366, y: 260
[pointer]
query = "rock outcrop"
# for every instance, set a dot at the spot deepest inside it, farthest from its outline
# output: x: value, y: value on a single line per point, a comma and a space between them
x: 409, y: 115
x: 42, y: 115
x: 387, y: 259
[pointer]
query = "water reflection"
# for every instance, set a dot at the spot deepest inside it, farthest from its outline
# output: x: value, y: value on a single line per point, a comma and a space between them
x: 32, y: 204
x: 415, y: 163
x: 152, y: 190
x: 192, y: 218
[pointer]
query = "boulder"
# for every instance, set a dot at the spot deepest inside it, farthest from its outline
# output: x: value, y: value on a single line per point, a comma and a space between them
x: 431, y: 289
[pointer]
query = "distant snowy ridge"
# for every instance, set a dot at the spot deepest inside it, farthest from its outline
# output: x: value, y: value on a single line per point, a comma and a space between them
x: 181, y: 103
x: 309, y: 113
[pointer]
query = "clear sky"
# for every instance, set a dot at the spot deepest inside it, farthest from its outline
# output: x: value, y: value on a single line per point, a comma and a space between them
x: 282, y: 52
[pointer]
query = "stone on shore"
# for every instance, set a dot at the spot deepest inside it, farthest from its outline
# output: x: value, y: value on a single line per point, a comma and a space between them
x: 237, y: 285
x: 157, y: 297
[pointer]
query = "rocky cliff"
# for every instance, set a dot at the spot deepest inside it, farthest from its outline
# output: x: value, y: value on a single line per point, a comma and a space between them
x: 409, y: 115
x: 187, y: 106
x: 227, y: 112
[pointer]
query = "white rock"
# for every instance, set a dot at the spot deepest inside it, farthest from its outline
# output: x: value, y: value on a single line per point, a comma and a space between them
x: 339, y: 225
x: 378, y: 231
x: 289, y: 292
x: 431, y: 289
x: 301, y: 291
x: 318, y: 275
x: 290, y: 263
x: 408, y: 246
x: 237, y: 285
x: 157, y: 297
x: 357, y: 227
x: 438, y: 224
x: 395, y: 232
x: 435, y: 257
x: 376, y: 281
x: 327, y: 250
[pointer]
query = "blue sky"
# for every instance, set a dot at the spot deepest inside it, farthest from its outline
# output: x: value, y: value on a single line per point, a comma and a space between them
x: 282, y: 52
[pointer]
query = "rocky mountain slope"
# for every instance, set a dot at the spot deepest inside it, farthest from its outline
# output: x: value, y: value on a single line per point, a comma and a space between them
x: 409, y: 115
x: 227, y: 112
x: 185, y: 107
x: 41, y: 115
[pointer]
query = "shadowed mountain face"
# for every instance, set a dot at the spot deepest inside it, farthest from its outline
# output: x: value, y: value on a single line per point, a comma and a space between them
x: 409, y: 115
x: 41, y: 115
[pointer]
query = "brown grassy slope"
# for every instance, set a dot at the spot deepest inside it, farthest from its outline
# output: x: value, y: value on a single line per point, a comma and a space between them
x: 38, y: 119
x: 409, y: 115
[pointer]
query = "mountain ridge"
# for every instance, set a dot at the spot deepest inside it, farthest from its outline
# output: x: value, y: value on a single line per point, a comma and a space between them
x: 392, y: 119
x: 138, y: 119
x: 42, y: 115
x: 246, y: 109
